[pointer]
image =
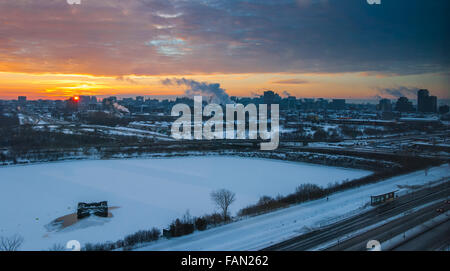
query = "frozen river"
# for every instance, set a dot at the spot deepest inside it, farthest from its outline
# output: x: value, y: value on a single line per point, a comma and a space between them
x: 149, y: 192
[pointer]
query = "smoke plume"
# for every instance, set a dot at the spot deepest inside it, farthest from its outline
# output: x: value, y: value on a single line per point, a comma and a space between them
x: 399, y: 92
x: 213, y: 91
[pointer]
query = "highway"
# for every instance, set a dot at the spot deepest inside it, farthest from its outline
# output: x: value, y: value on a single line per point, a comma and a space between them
x: 340, y: 229
x: 397, y: 227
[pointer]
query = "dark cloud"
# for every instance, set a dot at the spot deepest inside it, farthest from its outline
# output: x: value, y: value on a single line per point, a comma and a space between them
x: 113, y: 37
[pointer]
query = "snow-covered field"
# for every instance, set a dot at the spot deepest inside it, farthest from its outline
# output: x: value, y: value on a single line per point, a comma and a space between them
x: 148, y: 192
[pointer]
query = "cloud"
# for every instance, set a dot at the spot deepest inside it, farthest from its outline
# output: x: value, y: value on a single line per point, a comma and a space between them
x: 126, y: 79
x: 211, y: 90
x: 291, y: 82
x: 154, y: 37
x: 377, y: 97
x: 169, y: 46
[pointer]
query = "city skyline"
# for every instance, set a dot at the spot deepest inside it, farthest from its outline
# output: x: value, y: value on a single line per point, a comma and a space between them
x: 374, y: 101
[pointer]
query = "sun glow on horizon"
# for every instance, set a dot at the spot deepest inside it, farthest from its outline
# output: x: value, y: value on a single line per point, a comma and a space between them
x: 319, y: 85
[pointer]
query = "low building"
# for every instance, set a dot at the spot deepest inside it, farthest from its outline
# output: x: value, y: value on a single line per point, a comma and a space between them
x: 380, y: 199
x: 96, y: 208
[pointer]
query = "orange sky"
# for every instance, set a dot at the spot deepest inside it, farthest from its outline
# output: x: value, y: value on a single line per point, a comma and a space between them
x: 347, y: 85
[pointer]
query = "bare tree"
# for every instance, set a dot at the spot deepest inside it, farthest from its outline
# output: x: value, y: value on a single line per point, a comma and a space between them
x: 223, y: 199
x: 58, y: 247
x: 10, y: 244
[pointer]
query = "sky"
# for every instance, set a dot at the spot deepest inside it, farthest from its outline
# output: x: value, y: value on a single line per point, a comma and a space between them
x: 304, y: 48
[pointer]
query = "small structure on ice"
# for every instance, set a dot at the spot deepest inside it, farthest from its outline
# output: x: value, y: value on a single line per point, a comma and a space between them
x: 96, y: 208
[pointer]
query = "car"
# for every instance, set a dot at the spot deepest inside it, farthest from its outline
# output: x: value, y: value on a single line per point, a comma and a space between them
x: 440, y: 210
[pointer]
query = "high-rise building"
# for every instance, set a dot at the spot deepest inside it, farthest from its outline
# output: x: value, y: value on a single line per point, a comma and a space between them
x: 404, y: 105
x: 425, y: 102
x: 432, y: 104
x: 271, y: 97
x: 422, y: 96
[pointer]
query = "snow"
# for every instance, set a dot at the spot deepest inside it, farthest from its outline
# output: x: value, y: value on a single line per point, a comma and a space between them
x: 420, y: 119
x: 149, y: 192
x: 262, y: 231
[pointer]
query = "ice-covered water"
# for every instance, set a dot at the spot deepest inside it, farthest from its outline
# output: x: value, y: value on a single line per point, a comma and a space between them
x: 150, y: 192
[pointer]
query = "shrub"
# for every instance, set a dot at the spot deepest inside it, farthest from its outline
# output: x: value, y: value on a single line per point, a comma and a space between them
x: 303, y: 193
x: 142, y: 237
x: 58, y: 247
x: 213, y: 219
x: 128, y: 242
x: 12, y: 243
x: 264, y: 204
x: 201, y: 224
x: 179, y: 228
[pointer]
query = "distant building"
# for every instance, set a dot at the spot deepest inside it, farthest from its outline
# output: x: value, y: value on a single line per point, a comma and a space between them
x: 425, y: 102
x: 338, y: 104
x: 322, y: 103
x: 422, y: 95
x: 112, y: 99
x: 432, y: 104
x: 443, y: 109
x: 404, y: 105
x: 385, y: 105
x: 292, y: 102
x: 22, y: 99
x: 72, y: 103
x: 85, y: 100
x: 109, y: 101
x: 271, y: 97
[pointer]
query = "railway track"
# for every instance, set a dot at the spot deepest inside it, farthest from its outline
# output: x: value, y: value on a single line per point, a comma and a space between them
x: 338, y: 229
